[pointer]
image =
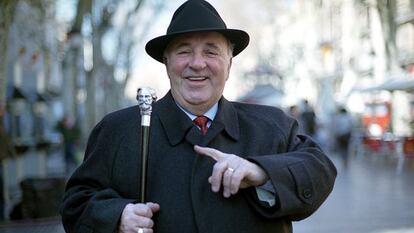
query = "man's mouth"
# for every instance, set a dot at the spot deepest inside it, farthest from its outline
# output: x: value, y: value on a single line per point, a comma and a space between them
x: 198, y: 78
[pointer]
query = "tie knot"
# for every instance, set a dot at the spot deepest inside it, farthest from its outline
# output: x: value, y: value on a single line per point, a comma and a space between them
x: 201, y: 122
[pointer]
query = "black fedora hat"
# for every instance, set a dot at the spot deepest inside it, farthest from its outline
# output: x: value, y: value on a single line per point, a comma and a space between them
x: 196, y: 16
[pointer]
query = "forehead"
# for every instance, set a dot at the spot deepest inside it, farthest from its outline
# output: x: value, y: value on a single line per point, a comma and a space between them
x: 144, y: 92
x: 204, y: 38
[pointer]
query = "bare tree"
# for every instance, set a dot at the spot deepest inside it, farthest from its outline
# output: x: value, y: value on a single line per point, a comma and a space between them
x: 104, y: 70
x: 387, y: 11
x: 7, y: 8
x: 106, y: 78
x: 74, y: 58
x: 125, y: 56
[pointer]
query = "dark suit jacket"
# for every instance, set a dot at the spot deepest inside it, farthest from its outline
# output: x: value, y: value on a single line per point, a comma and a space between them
x: 108, y: 179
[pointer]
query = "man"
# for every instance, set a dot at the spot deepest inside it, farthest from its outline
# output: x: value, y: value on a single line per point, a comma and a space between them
x: 308, y: 119
x: 344, y: 124
x: 235, y: 168
x: 71, y: 133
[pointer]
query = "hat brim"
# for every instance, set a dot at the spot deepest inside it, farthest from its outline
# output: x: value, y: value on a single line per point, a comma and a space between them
x: 155, y: 47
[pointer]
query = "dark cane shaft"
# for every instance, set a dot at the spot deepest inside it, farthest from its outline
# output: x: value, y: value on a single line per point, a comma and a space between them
x: 146, y: 97
x: 145, y: 133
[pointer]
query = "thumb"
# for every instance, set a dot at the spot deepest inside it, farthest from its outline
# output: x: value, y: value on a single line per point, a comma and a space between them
x: 153, y: 206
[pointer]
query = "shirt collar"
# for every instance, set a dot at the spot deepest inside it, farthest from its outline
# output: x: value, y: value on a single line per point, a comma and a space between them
x: 178, y: 125
x: 210, y: 114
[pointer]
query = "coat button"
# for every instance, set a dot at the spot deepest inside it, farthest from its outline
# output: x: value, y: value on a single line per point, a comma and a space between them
x: 307, y: 193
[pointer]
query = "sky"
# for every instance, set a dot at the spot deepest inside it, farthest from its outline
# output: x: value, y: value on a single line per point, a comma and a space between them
x: 66, y: 10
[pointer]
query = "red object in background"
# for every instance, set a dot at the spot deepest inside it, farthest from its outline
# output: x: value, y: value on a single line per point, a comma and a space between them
x: 378, y: 113
x: 376, y: 144
x: 410, y: 68
x: 373, y: 144
x: 408, y: 147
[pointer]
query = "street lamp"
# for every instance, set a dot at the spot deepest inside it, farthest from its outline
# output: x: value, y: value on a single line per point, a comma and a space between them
x: 328, y: 58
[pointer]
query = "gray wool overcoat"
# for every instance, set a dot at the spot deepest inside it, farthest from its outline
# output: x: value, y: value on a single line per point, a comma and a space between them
x: 108, y: 179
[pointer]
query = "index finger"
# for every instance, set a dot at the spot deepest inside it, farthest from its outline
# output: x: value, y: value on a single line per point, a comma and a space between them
x: 212, y: 153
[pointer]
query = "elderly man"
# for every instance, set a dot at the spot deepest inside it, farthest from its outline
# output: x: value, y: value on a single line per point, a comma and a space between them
x: 214, y: 165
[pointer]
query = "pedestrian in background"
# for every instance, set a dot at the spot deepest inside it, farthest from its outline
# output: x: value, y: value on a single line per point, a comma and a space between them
x: 308, y: 119
x: 70, y: 133
x: 295, y: 112
x: 343, y: 125
x: 214, y: 166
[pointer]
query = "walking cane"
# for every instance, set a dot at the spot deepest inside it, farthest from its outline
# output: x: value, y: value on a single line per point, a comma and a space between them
x: 145, y: 96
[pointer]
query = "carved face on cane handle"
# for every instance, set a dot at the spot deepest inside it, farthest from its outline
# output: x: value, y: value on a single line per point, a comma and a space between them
x: 146, y: 96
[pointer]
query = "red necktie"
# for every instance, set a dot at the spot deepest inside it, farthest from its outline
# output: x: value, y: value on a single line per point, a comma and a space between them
x: 201, y: 121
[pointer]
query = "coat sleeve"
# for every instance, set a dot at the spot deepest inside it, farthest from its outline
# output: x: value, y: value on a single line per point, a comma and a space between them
x: 88, y: 204
x: 301, y: 174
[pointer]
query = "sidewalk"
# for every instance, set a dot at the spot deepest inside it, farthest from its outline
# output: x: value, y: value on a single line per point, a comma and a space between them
x: 52, y: 225
x: 370, y: 196
x: 55, y: 167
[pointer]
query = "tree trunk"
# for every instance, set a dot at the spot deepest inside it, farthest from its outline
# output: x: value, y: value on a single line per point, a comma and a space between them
x: 387, y: 9
x: 7, y: 8
x: 6, y: 149
x: 6, y: 15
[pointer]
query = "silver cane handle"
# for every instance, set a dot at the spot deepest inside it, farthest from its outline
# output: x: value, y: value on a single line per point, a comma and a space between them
x: 146, y: 97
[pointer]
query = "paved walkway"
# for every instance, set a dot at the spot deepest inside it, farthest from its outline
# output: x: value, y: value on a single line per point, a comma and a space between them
x: 370, y: 196
x: 52, y: 225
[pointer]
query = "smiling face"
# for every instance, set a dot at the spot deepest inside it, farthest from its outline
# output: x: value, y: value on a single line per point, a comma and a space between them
x: 198, y: 66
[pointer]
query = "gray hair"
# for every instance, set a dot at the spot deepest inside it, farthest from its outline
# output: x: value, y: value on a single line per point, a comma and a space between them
x: 151, y: 91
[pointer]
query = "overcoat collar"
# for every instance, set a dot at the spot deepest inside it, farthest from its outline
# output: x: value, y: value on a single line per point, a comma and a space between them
x: 227, y: 116
x: 177, y: 125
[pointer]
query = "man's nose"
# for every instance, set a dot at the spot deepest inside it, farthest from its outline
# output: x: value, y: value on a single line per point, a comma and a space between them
x: 197, y: 61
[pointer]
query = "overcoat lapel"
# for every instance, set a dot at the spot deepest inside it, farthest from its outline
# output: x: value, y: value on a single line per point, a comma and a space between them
x: 178, y: 126
x: 227, y: 119
x: 175, y: 122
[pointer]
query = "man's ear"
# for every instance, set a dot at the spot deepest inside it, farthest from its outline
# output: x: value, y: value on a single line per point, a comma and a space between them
x: 228, y: 69
x: 165, y: 61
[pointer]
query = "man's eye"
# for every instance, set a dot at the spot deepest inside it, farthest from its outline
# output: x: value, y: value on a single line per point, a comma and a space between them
x: 183, y: 52
x: 211, y: 52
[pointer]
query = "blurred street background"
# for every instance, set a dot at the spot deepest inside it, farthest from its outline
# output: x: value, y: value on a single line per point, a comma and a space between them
x: 343, y: 68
